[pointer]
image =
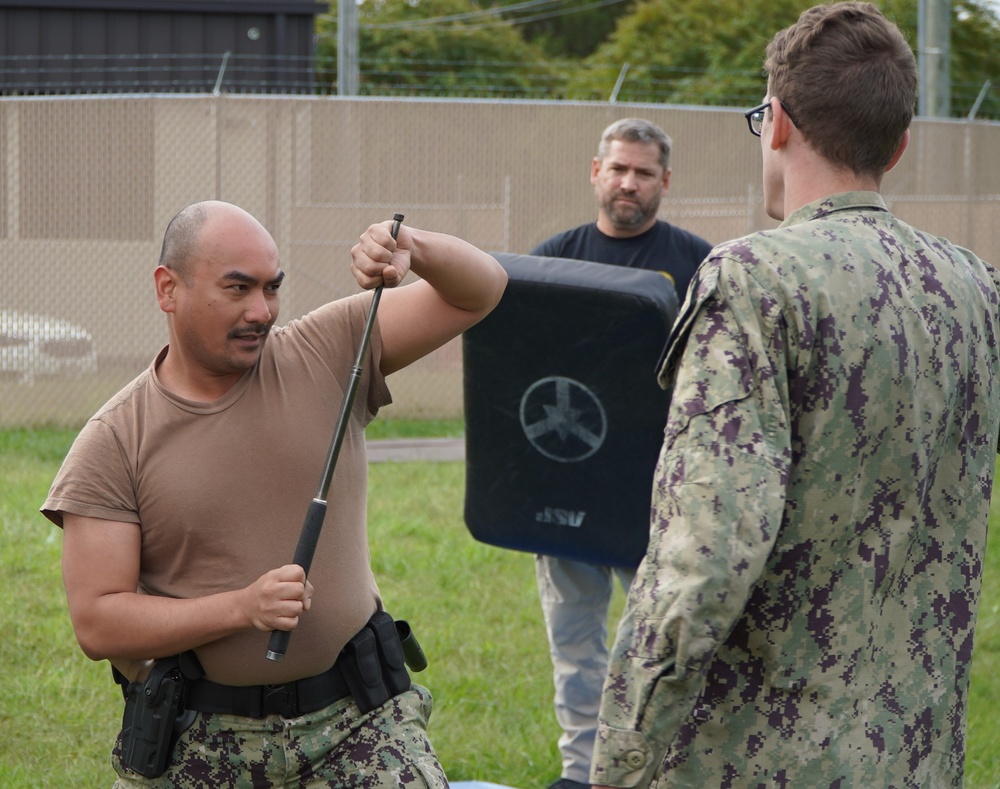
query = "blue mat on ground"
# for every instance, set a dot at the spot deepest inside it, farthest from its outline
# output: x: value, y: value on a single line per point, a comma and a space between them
x: 478, y: 785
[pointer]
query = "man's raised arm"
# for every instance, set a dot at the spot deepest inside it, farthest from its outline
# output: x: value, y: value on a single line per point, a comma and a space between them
x: 459, y: 285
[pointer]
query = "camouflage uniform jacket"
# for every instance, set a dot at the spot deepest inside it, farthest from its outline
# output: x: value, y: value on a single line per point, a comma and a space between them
x: 804, y: 615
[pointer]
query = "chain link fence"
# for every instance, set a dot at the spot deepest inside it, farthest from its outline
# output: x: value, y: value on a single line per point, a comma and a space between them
x: 88, y: 184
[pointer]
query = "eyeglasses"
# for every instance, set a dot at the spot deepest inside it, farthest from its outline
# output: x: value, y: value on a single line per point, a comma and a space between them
x: 755, y: 117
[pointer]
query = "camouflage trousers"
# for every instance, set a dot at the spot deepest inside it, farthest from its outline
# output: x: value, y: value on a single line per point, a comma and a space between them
x: 337, y: 746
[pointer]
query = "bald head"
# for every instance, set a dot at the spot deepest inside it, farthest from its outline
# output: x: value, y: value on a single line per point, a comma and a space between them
x: 218, y: 286
x: 183, y: 241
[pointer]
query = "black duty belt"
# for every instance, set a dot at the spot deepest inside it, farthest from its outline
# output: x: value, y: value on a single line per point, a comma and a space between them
x: 289, y: 700
x: 371, y: 668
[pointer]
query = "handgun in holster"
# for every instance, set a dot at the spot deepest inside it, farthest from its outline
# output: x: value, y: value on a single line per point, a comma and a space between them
x: 154, y: 715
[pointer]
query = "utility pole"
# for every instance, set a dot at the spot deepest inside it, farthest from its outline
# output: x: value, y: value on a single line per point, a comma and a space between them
x: 933, y: 56
x: 347, y: 48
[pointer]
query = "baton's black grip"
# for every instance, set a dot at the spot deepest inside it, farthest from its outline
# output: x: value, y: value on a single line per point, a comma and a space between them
x: 278, y: 645
x: 309, y: 536
x: 304, y: 552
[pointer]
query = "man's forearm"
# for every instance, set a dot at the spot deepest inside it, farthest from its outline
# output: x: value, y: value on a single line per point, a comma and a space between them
x: 463, y: 275
x: 134, y: 627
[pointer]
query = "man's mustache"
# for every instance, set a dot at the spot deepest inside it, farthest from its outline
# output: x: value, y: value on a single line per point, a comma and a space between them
x: 252, y: 328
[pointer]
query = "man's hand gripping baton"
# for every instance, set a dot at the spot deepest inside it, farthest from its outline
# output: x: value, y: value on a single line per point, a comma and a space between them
x: 309, y: 537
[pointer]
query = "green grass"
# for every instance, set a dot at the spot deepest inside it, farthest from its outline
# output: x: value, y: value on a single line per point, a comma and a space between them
x: 408, y: 428
x: 474, y: 608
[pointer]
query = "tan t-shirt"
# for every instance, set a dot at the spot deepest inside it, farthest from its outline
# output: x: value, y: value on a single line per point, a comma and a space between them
x: 221, y: 489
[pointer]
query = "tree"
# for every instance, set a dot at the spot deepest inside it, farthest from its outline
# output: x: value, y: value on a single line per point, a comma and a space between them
x: 975, y: 58
x: 686, y: 52
x: 572, y: 29
x: 437, y: 48
x: 698, y: 52
x: 712, y: 51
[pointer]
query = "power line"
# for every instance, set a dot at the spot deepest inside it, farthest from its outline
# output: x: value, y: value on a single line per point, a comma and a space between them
x: 478, y: 14
x: 493, y: 11
x: 488, y: 13
x: 551, y: 15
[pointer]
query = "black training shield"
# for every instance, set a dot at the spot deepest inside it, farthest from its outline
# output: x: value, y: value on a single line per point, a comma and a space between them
x: 563, y: 415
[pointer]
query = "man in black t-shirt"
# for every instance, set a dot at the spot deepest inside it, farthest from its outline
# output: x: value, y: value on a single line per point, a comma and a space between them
x: 630, y: 174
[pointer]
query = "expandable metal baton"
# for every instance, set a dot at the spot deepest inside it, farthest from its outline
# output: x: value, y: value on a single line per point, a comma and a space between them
x: 309, y: 537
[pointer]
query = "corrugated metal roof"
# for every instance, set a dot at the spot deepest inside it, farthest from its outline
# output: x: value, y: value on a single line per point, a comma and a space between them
x: 187, y: 6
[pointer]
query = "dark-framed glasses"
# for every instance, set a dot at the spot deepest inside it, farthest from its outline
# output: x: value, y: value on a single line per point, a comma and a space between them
x: 755, y: 117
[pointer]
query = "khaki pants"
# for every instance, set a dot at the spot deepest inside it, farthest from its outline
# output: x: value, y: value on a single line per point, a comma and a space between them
x: 575, y: 598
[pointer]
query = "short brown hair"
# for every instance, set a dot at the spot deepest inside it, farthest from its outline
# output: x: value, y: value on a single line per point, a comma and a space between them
x: 636, y: 130
x: 849, y: 80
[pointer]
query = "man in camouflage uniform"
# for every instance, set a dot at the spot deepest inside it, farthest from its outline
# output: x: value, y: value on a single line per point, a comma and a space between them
x: 804, y: 615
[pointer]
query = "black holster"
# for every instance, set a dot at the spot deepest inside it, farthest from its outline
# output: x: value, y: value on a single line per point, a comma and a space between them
x: 155, y: 715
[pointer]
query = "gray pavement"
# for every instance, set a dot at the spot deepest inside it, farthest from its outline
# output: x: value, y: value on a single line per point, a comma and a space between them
x: 408, y: 449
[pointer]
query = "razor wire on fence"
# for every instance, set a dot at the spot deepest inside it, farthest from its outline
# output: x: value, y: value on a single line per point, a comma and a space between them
x: 229, y: 72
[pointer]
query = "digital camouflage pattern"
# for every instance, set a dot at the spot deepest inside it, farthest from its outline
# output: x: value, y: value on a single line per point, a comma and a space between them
x: 337, y: 746
x: 805, y: 612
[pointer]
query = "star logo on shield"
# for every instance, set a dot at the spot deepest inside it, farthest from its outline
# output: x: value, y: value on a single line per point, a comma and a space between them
x: 563, y: 419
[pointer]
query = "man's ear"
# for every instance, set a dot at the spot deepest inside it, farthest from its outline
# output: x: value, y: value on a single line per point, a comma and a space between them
x: 595, y: 168
x: 166, y: 285
x: 781, y: 125
x: 666, y: 181
x: 899, y: 151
